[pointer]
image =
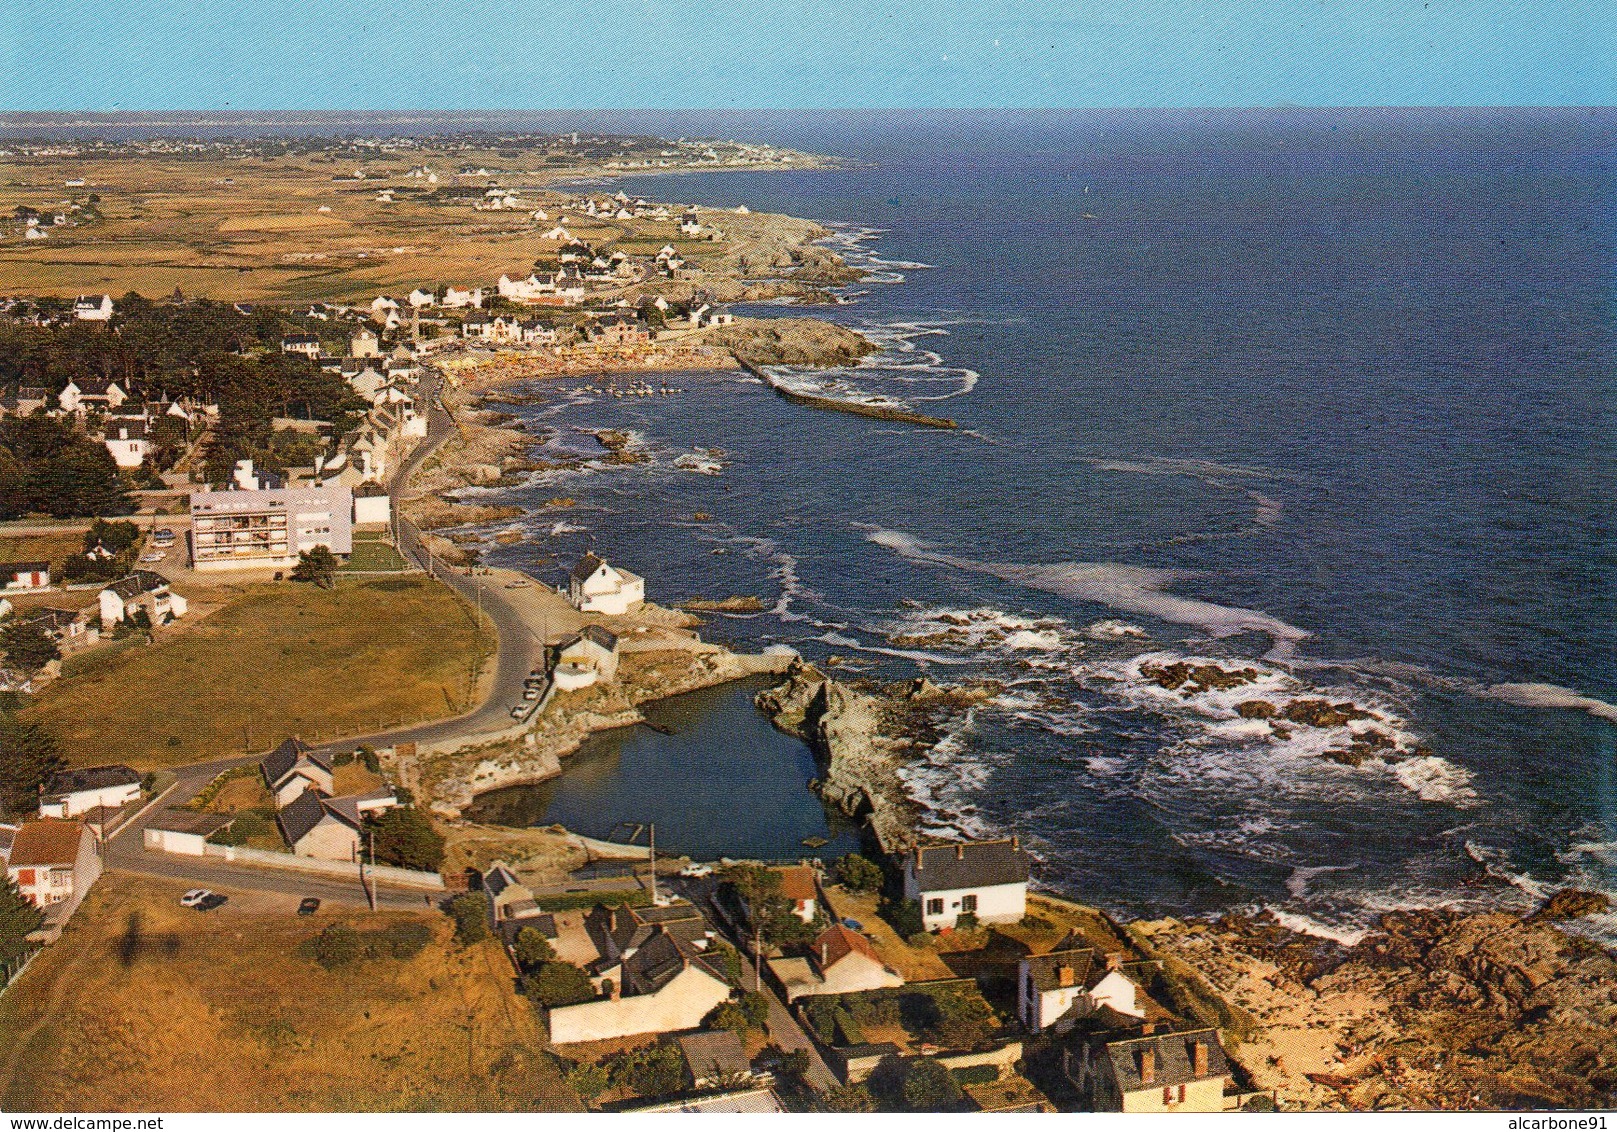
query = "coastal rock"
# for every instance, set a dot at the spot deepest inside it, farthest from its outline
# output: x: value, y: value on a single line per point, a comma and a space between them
x: 1323, y: 713
x: 1573, y: 904
x: 1196, y: 677
x: 733, y: 604
x: 792, y: 342
x: 1256, y: 709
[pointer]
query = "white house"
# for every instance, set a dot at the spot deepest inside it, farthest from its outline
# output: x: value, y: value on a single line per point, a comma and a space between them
x: 306, y: 344
x: 92, y: 309
x: 595, y: 587
x: 185, y: 832
x: 293, y: 768
x: 587, y: 657
x: 1057, y: 989
x: 53, y: 863
x: 798, y: 884
x: 840, y: 961
x: 141, y: 590
x: 420, y: 298
x: 372, y: 504
x: 690, y: 224
x: 25, y: 576
x: 84, y: 394
x: 329, y: 829
x: 365, y: 344
x: 985, y: 878
x: 454, y: 297
x: 666, y: 985
x: 73, y: 792
x: 126, y: 440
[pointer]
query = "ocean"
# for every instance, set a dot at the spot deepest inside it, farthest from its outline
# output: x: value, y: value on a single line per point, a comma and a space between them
x: 1321, y: 397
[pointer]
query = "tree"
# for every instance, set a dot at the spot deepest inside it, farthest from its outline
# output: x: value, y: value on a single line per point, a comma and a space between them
x: 470, y: 913
x: 849, y: 1098
x: 28, y: 759
x: 768, y: 908
x: 755, y: 1009
x: 18, y: 917
x: 726, y: 1016
x: 588, y: 1081
x: 929, y: 1087
x: 559, y: 984
x: 904, y: 916
x: 533, y: 949
x: 859, y: 874
x: 27, y: 645
x: 318, y: 566
x: 405, y: 836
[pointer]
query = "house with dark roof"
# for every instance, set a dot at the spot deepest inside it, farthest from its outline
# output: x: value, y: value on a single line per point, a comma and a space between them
x: 1056, y: 989
x: 293, y: 768
x: 665, y: 985
x: 587, y: 657
x: 714, y: 1059
x: 313, y: 828
x: 25, y: 575
x: 70, y: 793
x: 987, y: 879
x: 512, y: 905
x: 596, y: 587
x: 618, y: 931
x: 1152, y: 1072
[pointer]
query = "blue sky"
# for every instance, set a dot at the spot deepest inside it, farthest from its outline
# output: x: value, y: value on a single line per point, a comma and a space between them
x: 501, y: 54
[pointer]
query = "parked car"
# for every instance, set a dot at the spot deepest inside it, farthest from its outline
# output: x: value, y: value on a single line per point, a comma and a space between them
x: 154, y: 556
x: 530, y: 693
x: 696, y: 870
x: 194, y: 897
x: 163, y: 537
x: 519, y: 711
x: 308, y: 906
x: 517, y: 585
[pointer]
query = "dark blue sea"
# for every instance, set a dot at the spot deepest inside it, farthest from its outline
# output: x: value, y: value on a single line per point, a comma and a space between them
x: 1323, y: 395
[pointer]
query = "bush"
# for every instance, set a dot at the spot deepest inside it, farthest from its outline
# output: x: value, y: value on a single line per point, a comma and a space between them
x: 726, y: 957
x: 849, y: 1098
x: 652, y: 1071
x: 588, y: 1081
x: 342, y: 758
x: 399, y: 941
x: 559, y: 984
x: 859, y: 874
x: 755, y: 1007
x: 726, y: 1016
x: 928, y: 1087
x: 470, y: 913
x: 967, y: 922
x: 1036, y: 923
x: 903, y: 915
x: 406, y: 837
x: 337, y: 946
x: 976, y: 1075
x: 532, y: 949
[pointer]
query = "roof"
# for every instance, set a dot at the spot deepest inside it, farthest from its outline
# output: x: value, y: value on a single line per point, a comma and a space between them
x: 279, y: 763
x: 950, y: 865
x: 48, y: 842
x: 751, y: 1101
x: 710, y: 1053
x: 498, y: 878
x: 308, y: 810
x: 607, y: 639
x: 346, y: 808
x: 586, y: 566
x: 369, y: 490
x: 629, y: 928
x: 92, y: 778
x: 188, y: 821
x: 837, y: 942
x: 140, y: 582
x: 1045, y: 970
x: 796, y: 882
x: 23, y: 567
x: 660, y: 960
x: 1173, y: 1059
x: 7, y: 832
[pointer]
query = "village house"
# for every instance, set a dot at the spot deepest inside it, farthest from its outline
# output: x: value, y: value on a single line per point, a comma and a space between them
x: 25, y: 575
x: 69, y: 628
x: 90, y: 309
x: 1156, y: 1072
x: 306, y: 344
x: 455, y: 297
x: 714, y: 1059
x: 664, y: 986
x: 799, y: 885
x: 987, y: 879
x: 142, y: 590
x: 595, y: 587
x: 88, y: 394
x: 185, y: 832
x: 330, y: 829
x: 840, y: 961
x: 293, y: 768
x: 372, y: 504
x: 585, y: 658
x: 70, y: 793
x: 1057, y: 989
x: 54, y: 862
x: 365, y: 343
x: 618, y: 931
x: 126, y: 439
x: 27, y: 400
x: 512, y: 905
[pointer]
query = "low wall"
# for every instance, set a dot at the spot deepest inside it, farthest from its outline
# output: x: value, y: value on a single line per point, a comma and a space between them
x: 385, y: 873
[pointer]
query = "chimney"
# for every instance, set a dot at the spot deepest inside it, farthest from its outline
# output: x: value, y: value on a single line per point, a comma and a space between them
x: 1114, y: 961
x: 1148, y: 1065
x: 1148, y: 1028
x: 610, y: 986
x: 917, y: 858
x: 960, y: 851
x: 1198, y: 1057
x: 1064, y: 975
x: 1016, y: 842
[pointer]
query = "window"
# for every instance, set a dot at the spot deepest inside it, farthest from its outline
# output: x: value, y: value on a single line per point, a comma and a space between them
x: 934, y: 906
x: 969, y: 903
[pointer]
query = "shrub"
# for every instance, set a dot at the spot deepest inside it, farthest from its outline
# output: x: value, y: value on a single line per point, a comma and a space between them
x: 470, y: 913
x: 727, y: 958
x: 903, y: 915
x: 755, y: 1007
x: 400, y: 941
x: 652, y: 1071
x: 726, y: 1016
x: 859, y: 874
x: 342, y: 758
x: 976, y: 1075
x: 928, y: 1087
x: 532, y: 949
x: 559, y: 984
x: 588, y: 1081
x: 967, y: 922
x: 849, y: 1098
x: 337, y: 946
x: 1036, y: 923
x: 406, y: 837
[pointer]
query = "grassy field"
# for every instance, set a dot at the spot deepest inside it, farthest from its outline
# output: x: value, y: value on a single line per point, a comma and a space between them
x: 372, y: 552
x: 276, y: 661
x: 144, y: 1005
x: 52, y: 548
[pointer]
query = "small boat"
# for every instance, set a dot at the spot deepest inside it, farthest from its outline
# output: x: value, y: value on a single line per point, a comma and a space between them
x: 815, y: 842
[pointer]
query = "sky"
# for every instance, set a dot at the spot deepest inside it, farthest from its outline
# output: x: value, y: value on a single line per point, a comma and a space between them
x: 535, y: 54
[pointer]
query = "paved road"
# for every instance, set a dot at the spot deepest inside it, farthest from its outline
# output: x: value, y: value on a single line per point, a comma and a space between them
x: 783, y: 1028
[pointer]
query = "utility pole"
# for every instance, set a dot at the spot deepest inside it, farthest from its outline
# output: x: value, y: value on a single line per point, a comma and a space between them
x: 757, y: 956
x: 370, y: 891
x: 653, y: 864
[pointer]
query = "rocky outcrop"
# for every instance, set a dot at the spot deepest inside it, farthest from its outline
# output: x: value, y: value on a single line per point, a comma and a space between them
x: 792, y: 342
x: 733, y: 604
x: 855, y: 736
x: 1431, y: 1009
